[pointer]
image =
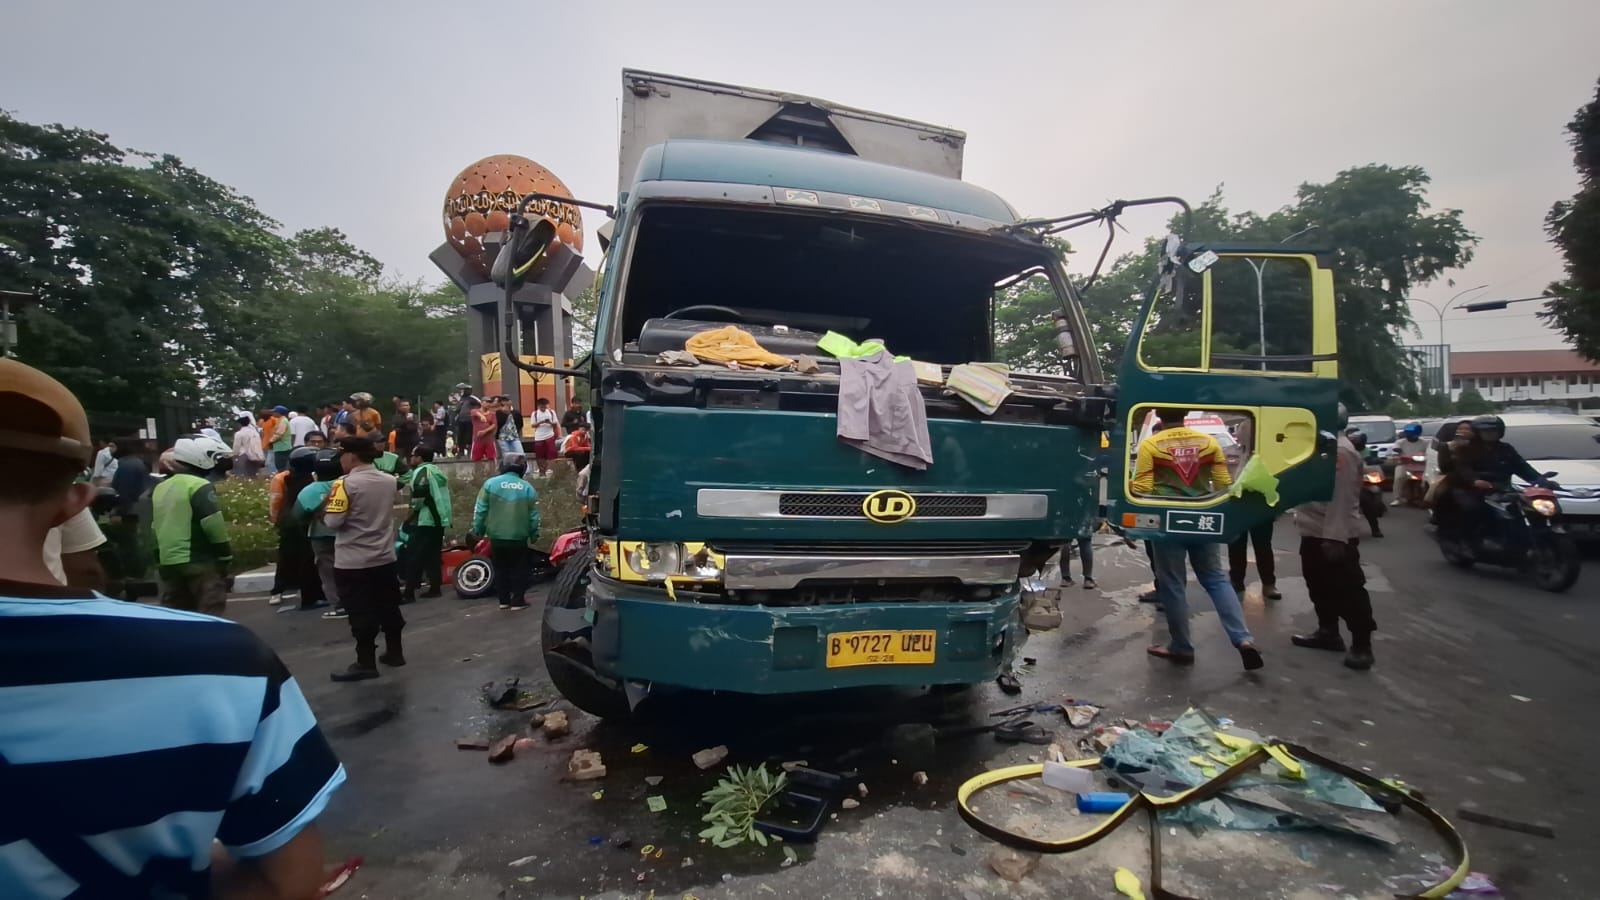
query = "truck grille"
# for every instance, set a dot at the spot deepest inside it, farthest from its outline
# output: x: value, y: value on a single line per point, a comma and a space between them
x: 871, y: 548
x: 835, y: 505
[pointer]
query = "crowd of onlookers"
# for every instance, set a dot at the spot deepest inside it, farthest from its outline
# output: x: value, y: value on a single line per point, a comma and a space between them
x: 468, y: 427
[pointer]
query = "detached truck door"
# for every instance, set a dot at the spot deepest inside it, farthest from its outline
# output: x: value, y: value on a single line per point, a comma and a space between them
x: 1247, y: 336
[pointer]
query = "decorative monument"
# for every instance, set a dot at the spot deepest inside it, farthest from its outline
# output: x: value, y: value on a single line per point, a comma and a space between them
x: 532, y: 321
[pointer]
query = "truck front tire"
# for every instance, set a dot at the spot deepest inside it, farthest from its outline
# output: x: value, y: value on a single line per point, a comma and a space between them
x: 566, y: 654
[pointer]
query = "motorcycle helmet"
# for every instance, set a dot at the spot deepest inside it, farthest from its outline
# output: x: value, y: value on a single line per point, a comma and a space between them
x: 1357, y: 437
x: 1412, y: 431
x: 514, y: 462
x: 1489, y: 427
x: 200, y: 452
x: 326, y: 464
x: 303, y: 461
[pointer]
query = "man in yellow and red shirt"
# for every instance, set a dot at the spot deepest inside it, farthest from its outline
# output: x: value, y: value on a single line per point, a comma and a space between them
x: 1183, y: 463
x: 1178, y: 461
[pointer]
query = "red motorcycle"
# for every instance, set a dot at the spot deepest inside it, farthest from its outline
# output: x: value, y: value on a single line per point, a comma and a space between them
x: 471, y: 571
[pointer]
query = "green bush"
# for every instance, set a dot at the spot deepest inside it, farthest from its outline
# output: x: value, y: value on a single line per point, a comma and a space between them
x: 559, y: 509
x: 255, y: 539
x: 244, y: 505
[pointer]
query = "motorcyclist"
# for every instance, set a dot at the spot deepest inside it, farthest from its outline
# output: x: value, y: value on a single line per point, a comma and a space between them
x: 1369, y: 510
x: 1485, y: 466
x: 1410, y: 444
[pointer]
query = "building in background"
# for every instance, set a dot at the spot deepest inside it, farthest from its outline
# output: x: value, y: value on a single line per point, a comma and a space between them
x: 1431, y: 363
x: 1526, y: 376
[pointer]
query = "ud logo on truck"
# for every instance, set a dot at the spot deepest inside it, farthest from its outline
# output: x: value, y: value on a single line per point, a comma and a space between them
x: 888, y: 507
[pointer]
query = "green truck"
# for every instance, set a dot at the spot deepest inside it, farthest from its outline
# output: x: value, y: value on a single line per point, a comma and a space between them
x: 740, y: 545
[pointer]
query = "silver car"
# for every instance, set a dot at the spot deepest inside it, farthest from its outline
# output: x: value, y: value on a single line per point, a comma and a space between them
x: 1568, y: 446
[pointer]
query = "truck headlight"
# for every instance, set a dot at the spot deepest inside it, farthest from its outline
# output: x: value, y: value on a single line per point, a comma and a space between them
x: 702, y: 566
x: 656, y: 562
x: 1545, y: 507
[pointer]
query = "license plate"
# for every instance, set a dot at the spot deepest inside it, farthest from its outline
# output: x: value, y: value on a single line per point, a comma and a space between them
x: 881, y: 648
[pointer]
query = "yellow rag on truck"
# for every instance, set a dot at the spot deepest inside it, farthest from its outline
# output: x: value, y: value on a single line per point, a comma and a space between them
x: 732, y: 344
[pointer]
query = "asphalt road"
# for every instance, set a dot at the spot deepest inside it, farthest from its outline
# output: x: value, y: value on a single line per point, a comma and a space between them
x: 1482, y: 695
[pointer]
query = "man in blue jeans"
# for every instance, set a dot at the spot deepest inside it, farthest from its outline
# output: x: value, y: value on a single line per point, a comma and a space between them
x: 1180, y: 462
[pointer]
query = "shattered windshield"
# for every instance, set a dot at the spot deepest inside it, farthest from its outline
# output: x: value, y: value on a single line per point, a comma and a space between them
x: 789, y: 278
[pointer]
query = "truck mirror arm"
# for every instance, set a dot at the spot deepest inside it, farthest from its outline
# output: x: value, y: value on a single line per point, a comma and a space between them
x: 522, y: 207
x: 510, y: 354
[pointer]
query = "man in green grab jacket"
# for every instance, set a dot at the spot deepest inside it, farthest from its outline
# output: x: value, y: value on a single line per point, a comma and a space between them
x: 507, y: 513
x: 191, y: 534
x: 430, y: 518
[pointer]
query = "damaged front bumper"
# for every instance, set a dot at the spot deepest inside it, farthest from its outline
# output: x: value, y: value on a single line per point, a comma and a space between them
x: 640, y: 635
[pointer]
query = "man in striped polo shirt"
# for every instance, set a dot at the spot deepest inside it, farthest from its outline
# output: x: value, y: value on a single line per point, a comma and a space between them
x: 144, y: 752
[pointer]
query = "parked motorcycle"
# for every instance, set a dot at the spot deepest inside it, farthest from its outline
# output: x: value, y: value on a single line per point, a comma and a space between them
x: 1524, y: 532
x: 1410, y: 480
x: 1372, y: 508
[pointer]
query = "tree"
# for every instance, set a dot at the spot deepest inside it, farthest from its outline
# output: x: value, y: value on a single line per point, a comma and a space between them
x: 1471, y: 403
x: 1385, y: 241
x: 135, y: 258
x: 1574, y: 227
x: 158, y: 282
x: 585, y: 310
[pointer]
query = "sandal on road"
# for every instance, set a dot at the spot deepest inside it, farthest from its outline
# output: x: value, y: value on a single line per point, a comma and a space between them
x: 1022, y: 731
x: 1161, y: 652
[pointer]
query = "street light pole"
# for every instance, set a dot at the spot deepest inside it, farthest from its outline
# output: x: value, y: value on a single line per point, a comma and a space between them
x: 1261, y: 296
x: 1444, y: 349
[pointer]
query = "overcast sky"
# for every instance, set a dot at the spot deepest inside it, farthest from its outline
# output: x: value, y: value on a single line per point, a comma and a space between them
x: 359, y: 114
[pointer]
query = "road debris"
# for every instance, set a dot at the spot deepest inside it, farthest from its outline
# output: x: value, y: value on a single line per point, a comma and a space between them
x: 1009, y: 683
x: 526, y: 743
x: 849, y: 803
x: 471, y: 744
x: 1012, y: 865
x: 1102, y: 801
x: 1075, y: 779
x: 793, y: 764
x: 536, y: 720
x: 503, y: 750
x: 919, y: 778
x: 1537, y: 829
x: 639, y: 748
x: 710, y: 756
x: 512, y: 697
x: 789, y: 857
x: 862, y: 789
x: 652, y: 780
x: 1081, y: 715
x: 338, y: 877
x: 585, y: 765
x: 656, y: 803
x: 521, y: 861
x: 555, y: 724
x: 1128, y: 884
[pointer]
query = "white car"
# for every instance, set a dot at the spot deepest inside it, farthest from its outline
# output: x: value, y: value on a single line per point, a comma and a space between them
x: 1568, y: 446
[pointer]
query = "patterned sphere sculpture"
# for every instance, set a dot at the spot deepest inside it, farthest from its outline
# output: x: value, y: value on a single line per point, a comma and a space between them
x: 484, y: 195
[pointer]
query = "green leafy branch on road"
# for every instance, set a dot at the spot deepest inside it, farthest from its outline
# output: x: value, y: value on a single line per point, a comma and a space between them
x: 736, y: 801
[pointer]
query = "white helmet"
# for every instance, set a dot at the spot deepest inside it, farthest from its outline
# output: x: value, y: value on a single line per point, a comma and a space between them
x: 200, y: 451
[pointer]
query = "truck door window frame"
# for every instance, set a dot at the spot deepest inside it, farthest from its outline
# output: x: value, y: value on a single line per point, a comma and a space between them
x: 1323, y: 357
